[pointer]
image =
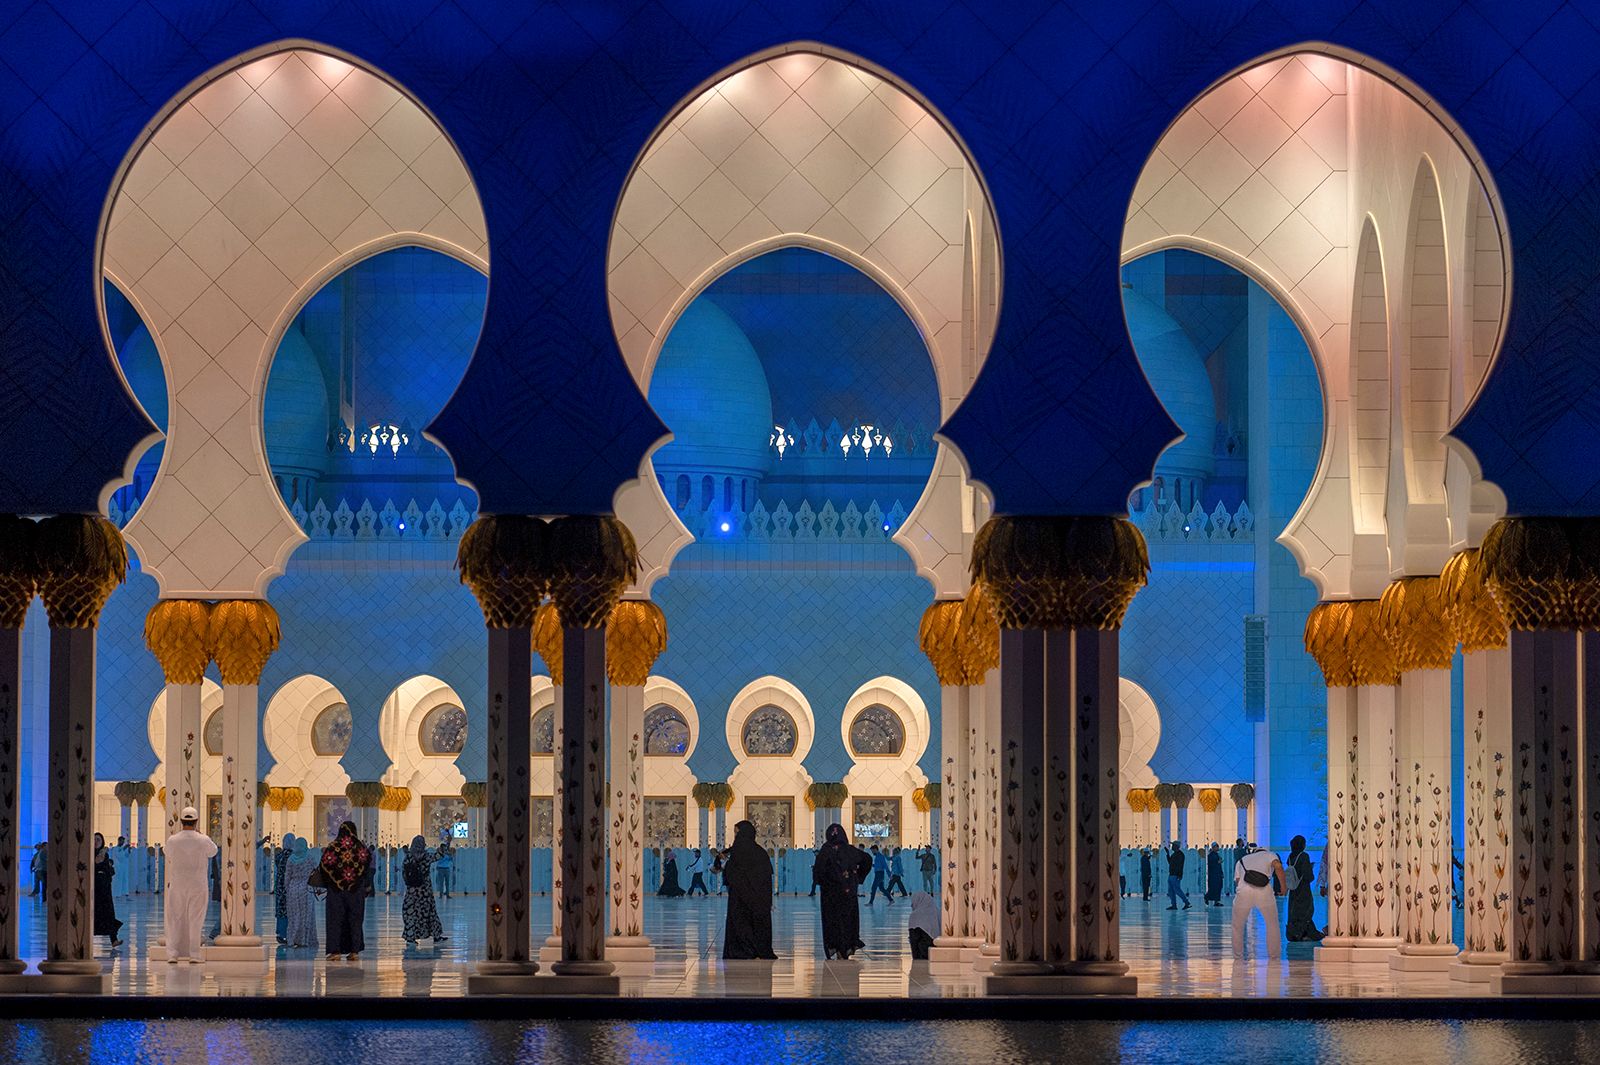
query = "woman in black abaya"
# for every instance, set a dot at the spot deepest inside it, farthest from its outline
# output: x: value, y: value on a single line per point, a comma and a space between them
x: 747, y: 874
x: 839, y: 870
x: 670, y: 888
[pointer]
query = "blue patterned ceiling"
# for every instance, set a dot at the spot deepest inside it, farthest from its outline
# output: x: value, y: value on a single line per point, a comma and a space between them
x: 550, y: 104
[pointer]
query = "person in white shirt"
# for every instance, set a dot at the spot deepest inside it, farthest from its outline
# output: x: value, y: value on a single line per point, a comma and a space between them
x: 1253, y: 877
x: 188, y: 854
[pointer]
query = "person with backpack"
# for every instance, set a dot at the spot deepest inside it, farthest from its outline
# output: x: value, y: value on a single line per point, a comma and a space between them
x: 419, y: 916
x: 1254, y: 875
x: 1302, y: 926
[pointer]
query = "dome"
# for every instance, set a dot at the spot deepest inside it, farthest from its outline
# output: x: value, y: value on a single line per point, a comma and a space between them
x: 1177, y: 373
x: 296, y: 416
x: 711, y: 391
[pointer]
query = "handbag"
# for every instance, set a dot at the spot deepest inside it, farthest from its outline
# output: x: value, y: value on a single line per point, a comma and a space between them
x: 318, y: 880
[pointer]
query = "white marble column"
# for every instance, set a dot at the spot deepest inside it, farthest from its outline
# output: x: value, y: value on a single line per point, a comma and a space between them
x: 986, y: 845
x: 1376, y: 833
x: 11, y: 615
x: 1428, y: 879
x: 69, y: 912
x: 1093, y: 963
x: 508, y: 963
x: 703, y: 824
x: 551, y: 951
x: 184, y: 751
x: 627, y: 942
x: 955, y: 918
x: 583, y: 823
x: 1548, y: 709
x: 1486, y: 865
x: 1341, y: 865
x: 238, y: 941
x: 1024, y: 689
x: 141, y: 825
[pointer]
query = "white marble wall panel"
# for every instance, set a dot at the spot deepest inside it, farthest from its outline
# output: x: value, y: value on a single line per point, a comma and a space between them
x: 252, y: 193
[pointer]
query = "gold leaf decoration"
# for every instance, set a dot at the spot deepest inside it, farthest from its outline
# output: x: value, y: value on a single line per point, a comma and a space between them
x: 19, y: 568
x: 505, y: 560
x: 1060, y: 572
x: 1412, y: 615
x: 242, y: 635
x: 592, y: 560
x: 1475, y: 618
x: 547, y: 639
x: 1328, y: 642
x: 81, y: 560
x: 1210, y: 799
x: 636, y: 634
x: 177, y: 632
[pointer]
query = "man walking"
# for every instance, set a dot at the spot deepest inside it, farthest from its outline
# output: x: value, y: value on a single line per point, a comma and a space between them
x: 880, y: 875
x: 188, y: 854
x: 1175, y: 877
x: 697, y: 878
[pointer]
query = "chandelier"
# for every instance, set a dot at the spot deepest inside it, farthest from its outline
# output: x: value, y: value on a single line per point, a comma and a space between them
x: 864, y: 438
x: 384, y: 437
x: 780, y: 439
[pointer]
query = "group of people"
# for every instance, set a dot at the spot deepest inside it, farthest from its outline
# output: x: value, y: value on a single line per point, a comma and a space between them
x: 341, y: 877
x: 1259, y: 879
x: 839, y: 869
x: 888, y: 872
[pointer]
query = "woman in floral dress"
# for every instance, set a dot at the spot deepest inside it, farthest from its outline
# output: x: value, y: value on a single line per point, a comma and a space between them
x: 418, y: 914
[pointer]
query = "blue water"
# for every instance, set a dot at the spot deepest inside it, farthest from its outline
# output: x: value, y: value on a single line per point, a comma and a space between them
x: 874, y: 1042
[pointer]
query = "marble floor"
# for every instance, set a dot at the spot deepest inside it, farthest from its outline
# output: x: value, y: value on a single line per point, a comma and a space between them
x: 1184, y: 954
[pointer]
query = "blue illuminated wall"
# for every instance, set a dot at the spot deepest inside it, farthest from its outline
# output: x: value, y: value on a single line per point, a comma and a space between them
x: 1184, y: 637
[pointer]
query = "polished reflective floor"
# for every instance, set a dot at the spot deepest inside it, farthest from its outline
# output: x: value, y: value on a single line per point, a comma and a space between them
x: 1182, y: 953
x: 1352, y: 1042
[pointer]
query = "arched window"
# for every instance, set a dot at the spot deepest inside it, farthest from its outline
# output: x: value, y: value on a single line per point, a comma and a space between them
x: 665, y: 731
x: 769, y: 731
x: 444, y: 731
x: 330, y: 732
x: 708, y: 492
x: 683, y: 492
x: 876, y: 730
x: 727, y: 493
x: 544, y: 731
x: 212, y: 734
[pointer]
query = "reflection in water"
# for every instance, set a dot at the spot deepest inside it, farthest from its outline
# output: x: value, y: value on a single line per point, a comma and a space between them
x: 881, y: 1042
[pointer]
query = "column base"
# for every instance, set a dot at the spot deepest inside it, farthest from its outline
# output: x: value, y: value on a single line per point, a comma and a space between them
x: 551, y: 951
x: 1414, y: 958
x: 1355, y: 952
x: 12, y: 966
x: 56, y: 983
x: 983, y: 961
x: 1525, y: 979
x: 236, y: 950
x: 1475, y: 967
x: 503, y: 978
x: 629, y: 948
x: 1086, y: 981
x: 950, y: 956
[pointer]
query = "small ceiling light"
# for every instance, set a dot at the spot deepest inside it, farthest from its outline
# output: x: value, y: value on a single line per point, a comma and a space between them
x: 726, y: 526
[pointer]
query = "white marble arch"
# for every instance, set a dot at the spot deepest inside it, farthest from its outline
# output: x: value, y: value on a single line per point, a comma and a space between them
x: 286, y: 727
x: 399, y: 725
x: 1280, y: 165
x: 668, y: 775
x: 1139, y: 734
x: 258, y: 182
x: 772, y: 776
x: 210, y: 765
x: 805, y: 146
x: 890, y: 776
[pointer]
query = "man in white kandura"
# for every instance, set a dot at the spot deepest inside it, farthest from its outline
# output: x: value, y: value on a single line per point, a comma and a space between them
x: 1253, y: 876
x: 188, y: 855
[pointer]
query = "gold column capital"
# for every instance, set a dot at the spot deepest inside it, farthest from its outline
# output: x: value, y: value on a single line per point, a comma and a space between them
x: 1544, y: 573
x: 593, y: 559
x: 81, y: 560
x: 636, y: 634
x: 1060, y: 572
x: 242, y: 634
x: 1413, y: 612
x: 1210, y: 799
x: 1327, y: 640
x: 939, y: 636
x: 19, y: 568
x: 505, y: 560
x: 1475, y: 618
x: 177, y: 631
x: 475, y: 793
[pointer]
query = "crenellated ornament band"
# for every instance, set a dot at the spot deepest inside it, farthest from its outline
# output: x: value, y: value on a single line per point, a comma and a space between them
x: 1060, y: 572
